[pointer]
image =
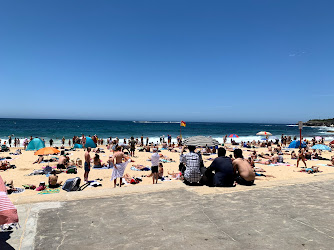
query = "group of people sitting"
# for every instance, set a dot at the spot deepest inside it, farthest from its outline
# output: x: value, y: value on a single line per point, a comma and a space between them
x: 223, y: 172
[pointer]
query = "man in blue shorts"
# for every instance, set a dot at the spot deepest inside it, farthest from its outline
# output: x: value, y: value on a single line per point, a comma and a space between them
x: 87, y: 164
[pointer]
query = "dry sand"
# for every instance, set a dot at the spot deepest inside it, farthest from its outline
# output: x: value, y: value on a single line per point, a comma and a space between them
x: 285, y: 175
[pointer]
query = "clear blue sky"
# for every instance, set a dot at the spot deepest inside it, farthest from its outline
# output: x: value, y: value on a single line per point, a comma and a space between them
x: 229, y: 61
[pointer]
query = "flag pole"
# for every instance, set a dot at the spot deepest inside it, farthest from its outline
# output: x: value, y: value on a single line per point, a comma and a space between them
x: 180, y: 132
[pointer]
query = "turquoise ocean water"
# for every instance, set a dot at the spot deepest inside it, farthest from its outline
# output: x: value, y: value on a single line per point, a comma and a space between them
x: 56, y: 129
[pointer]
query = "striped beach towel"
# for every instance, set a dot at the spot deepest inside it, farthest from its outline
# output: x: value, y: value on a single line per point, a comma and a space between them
x: 8, y: 212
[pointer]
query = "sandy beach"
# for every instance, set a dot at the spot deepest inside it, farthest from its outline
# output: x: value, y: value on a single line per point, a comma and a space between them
x: 284, y: 175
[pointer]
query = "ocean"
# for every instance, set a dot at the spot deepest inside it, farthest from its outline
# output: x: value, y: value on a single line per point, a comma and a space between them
x: 56, y: 129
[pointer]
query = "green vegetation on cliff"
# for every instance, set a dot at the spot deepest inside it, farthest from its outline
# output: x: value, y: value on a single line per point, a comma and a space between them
x: 320, y: 122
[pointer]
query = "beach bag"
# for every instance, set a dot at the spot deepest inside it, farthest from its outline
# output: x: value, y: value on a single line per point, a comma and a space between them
x: 71, y: 170
x: 72, y: 184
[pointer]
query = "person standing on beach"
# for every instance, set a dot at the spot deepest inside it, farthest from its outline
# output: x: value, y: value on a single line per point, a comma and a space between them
x: 146, y: 141
x: 301, y: 156
x: 132, y: 146
x: 10, y: 141
x: 119, y: 166
x: 63, y: 140
x: 142, y: 140
x: 51, y: 142
x: 87, y: 164
x: 155, y: 165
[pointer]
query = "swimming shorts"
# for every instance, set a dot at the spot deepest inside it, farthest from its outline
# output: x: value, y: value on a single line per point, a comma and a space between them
x: 61, y: 166
x: 54, y: 186
x: 242, y: 181
x: 87, y: 167
x: 154, y: 169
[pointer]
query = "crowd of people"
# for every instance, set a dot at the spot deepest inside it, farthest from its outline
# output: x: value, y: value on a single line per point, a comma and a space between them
x: 224, y: 171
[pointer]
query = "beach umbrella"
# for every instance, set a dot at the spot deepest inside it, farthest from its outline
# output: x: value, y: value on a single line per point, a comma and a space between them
x: 47, y: 151
x: 201, y: 141
x: 233, y: 136
x: 332, y: 142
x: 321, y: 147
x: 264, y: 133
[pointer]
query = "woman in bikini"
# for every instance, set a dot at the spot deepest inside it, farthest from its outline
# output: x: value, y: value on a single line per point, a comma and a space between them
x: 301, y: 156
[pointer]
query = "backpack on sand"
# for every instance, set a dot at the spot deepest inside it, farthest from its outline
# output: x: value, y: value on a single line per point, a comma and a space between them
x: 72, y: 184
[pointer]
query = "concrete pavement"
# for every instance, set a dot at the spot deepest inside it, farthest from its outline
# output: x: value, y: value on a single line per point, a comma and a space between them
x: 288, y: 217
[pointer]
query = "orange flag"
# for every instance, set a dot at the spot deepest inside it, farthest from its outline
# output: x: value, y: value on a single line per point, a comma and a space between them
x: 183, y: 124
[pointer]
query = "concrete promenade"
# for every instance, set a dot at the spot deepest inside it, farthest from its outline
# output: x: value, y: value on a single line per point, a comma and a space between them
x: 288, y: 217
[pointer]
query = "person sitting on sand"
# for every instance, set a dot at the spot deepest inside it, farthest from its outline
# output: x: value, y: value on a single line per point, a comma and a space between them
x: 293, y: 155
x: 254, y: 155
x: 192, y: 160
x: 97, y: 161
x: 161, y: 170
x: 62, y: 161
x: 53, y: 180
x: 251, y: 162
x: 39, y: 160
x: 308, y: 155
x: 301, y: 156
x: 10, y: 187
x: 224, y: 173
x: 244, y: 172
x: 148, y: 149
x: 4, y: 165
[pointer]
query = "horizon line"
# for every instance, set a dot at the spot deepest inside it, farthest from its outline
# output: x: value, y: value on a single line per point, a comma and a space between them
x: 80, y: 119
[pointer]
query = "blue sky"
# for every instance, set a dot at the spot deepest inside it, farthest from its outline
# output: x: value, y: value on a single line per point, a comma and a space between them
x: 228, y: 61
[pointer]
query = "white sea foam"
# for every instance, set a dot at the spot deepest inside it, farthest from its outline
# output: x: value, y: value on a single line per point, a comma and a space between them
x: 154, y: 122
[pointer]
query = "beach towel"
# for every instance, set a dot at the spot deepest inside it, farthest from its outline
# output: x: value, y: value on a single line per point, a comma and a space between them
x: 105, y: 167
x: 118, y: 170
x: 165, y: 161
x: 8, y: 212
x: 50, y: 191
x: 143, y: 169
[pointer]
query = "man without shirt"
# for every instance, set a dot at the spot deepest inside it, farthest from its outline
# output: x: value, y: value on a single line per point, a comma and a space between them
x: 62, y: 161
x: 116, y: 159
x: 245, y: 173
x: 87, y: 164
